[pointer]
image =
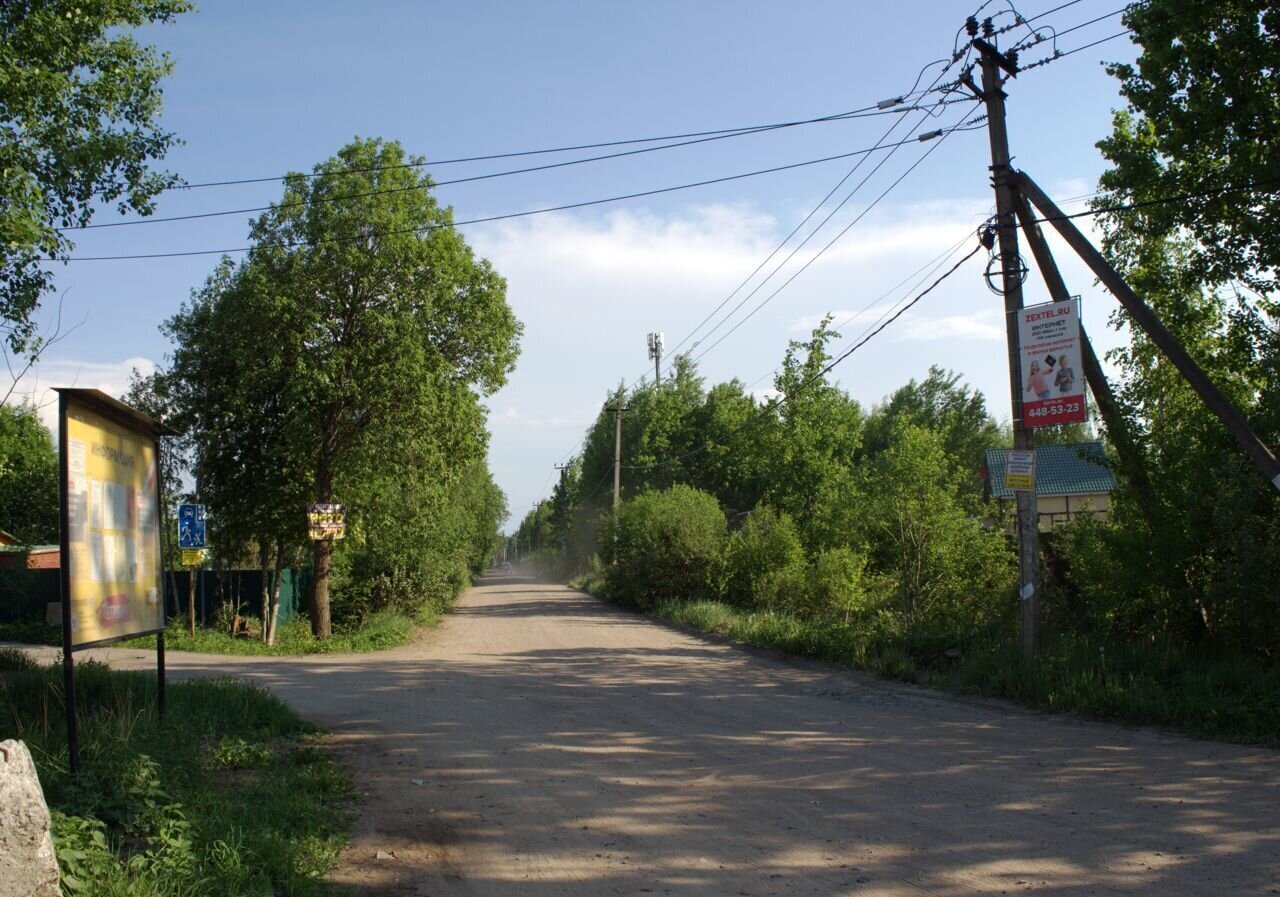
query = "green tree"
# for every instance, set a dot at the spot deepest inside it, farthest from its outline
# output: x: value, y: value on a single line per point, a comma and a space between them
x: 28, y: 477
x: 80, y: 104
x: 344, y: 359
x: 940, y: 403
x: 812, y: 440
x: 1202, y: 114
x: 664, y: 545
x: 948, y: 573
x: 764, y: 561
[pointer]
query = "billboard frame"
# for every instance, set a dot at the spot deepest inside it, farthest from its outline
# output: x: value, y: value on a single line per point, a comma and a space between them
x: 147, y: 429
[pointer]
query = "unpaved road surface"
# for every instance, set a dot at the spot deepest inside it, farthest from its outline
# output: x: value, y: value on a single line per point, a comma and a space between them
x: 541, y: 743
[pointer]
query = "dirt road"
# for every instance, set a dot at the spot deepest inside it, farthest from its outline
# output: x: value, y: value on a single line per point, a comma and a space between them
x: 541, y: 743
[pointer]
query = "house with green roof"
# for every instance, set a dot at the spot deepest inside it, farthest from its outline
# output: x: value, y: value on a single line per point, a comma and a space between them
x: 1070, y: 480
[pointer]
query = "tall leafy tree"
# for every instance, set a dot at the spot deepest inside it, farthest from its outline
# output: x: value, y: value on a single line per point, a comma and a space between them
x: 396, y: 323
x: 28, y: 477
x: 345, y: 357
x: 1202, y: 115
x: 812, y: 440
x: 79, y: 122
x: 944, y: 405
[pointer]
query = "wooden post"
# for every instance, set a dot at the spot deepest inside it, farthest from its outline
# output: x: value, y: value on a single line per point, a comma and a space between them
x: 1007, y: 231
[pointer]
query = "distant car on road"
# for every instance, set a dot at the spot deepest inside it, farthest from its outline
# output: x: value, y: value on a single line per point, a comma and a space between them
x: 506, y: 566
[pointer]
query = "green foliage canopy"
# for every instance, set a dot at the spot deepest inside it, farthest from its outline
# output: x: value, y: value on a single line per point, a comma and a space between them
x: 344, y: 360
x: 79, y: 107
x: 28, y: 477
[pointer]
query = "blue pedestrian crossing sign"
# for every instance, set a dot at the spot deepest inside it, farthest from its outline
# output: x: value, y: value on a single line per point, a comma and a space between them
x: 191, y: 526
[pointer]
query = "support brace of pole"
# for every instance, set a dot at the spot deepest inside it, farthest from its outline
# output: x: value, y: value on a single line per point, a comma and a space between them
x: 1145, y: 318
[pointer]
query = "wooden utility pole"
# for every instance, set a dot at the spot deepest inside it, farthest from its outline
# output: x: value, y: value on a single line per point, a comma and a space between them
x: 992, y: 94
x: 1145, y: 318
x: 617, y: 454
x: 564, y: 507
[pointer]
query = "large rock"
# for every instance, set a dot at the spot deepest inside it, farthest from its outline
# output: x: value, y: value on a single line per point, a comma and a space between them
x: 28, y: 866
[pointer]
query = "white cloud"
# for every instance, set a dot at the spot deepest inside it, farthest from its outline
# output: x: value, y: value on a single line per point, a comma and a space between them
x: 110, y: 377
x: 987, y: 324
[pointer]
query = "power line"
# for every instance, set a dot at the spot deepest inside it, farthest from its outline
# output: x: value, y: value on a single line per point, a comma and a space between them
x: 427, y: 185
x: 769, y: 406
x: 919, y: 275
x: 1040, y: 39
x: 876, y: 108
x: 787, y: 239
x: 933, y: 86
x: 1061, y: 54
x: 490, y: 218
x: 1163, y: 200
x: 824, y: 249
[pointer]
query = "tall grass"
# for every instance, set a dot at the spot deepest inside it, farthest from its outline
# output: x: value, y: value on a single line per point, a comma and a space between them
x: 381, y: 631
x: 231, y: 793
x: 1219, y: 697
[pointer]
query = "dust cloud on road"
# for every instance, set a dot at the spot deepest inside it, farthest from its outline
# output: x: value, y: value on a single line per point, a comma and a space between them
x: 542, y: 743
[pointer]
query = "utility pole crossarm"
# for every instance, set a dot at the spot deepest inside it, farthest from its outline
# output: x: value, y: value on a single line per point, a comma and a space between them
x: 1145, y: 318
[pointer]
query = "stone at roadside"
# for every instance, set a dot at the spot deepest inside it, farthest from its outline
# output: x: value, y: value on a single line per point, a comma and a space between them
x: 28, y: 865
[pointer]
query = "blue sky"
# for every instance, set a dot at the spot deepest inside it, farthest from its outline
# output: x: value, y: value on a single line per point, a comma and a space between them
x: 260, y: 88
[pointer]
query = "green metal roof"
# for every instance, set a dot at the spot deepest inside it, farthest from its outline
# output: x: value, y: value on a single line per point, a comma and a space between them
x: 1079, y: 469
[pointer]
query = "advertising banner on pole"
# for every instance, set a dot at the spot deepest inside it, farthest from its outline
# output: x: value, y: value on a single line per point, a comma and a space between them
x: 1052, y: 378
x: 111, y: 504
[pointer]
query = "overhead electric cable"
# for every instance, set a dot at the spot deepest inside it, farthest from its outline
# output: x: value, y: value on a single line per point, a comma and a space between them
x: 875, y: 108
x: 812, y: 380
x: 824, y: 249
x: 1063, y: 54
x: 489, y: 218
x: 919, y: 275
x: 933, y: 86
x: 1040, y: 39
x: 787, y: 239
x: 452, y: 181
x: 1190, y: 194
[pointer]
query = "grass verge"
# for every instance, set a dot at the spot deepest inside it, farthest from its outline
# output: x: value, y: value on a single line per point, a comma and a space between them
x: 381, y: 631
x: 230, y: 793
x: 1223, y: 698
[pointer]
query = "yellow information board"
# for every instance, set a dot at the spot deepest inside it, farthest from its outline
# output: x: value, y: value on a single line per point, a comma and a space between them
x: 114, y: 571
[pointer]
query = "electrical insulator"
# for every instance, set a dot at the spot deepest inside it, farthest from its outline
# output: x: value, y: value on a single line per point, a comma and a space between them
x: 1012, y: 56
x: 971, y: 26
x: 988, y: 30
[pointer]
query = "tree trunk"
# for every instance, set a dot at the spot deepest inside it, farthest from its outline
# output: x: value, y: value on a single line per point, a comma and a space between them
x: 320, y: 625
x: 275, y: 595
x: 264, y: 564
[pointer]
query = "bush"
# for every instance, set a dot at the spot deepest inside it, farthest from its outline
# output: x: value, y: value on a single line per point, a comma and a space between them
x: 764, y: 561
x: 834, y: 586
x: 950, y: 574
x: 663, y: 545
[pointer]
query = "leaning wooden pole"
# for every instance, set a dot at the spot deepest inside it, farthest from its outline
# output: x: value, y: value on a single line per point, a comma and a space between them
x: 1165, y: 341
x: 1131, y: 461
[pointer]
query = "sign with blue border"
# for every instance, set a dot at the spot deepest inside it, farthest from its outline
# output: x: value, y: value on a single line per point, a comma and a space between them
x: 191, y: 532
